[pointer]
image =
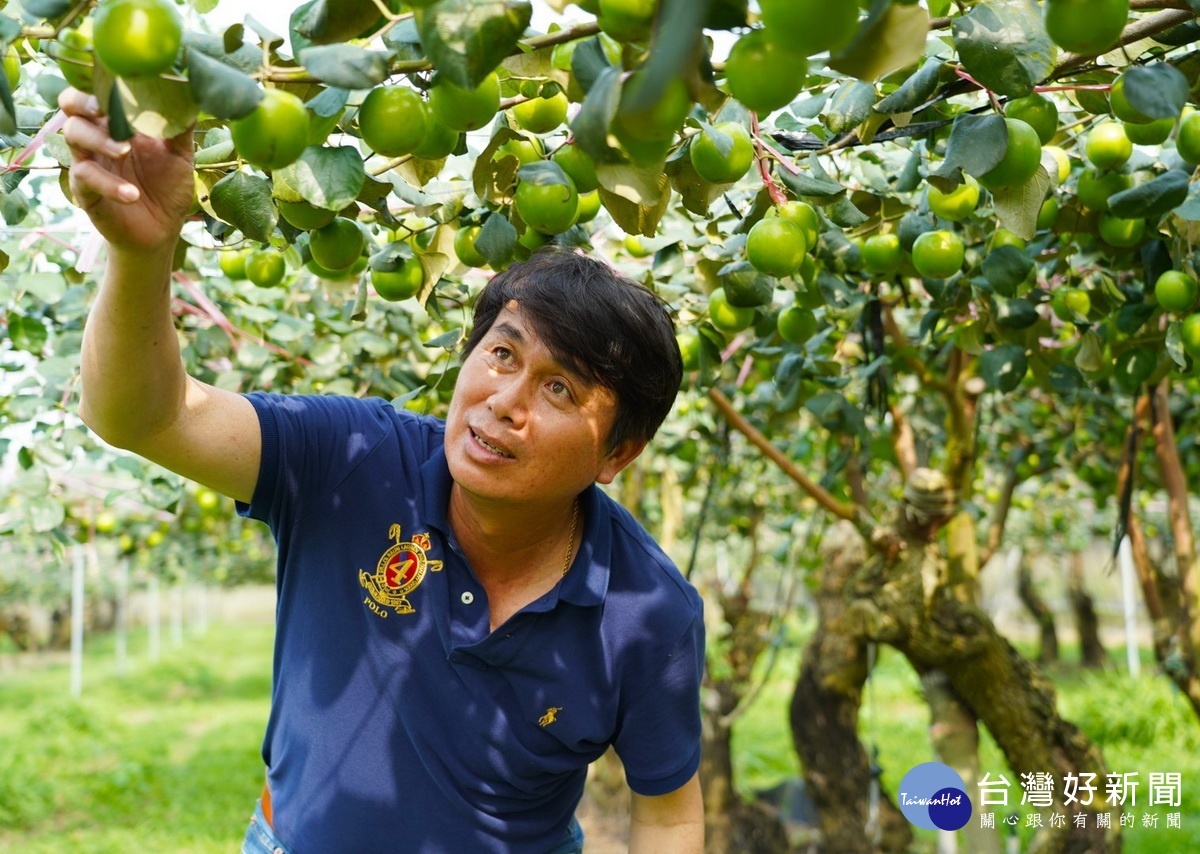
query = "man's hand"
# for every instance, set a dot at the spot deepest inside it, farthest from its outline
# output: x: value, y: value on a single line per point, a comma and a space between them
x: 672, y: 822
x: 136, y: 192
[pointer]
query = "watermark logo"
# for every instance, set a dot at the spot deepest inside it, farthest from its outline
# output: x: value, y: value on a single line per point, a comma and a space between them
x: 933, y: 796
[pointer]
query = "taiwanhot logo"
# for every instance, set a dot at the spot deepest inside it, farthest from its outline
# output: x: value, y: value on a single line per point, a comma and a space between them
x: 932, y: 796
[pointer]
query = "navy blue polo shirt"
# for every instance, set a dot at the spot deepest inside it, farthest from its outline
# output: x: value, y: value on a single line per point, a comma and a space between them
x: 399, y: 722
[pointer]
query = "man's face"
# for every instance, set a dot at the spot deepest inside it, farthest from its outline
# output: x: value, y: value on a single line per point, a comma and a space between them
x: 521, y: 427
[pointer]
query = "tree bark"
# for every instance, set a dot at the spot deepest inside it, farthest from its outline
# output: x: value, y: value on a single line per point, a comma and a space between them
x: 732, y: 824
x: 824, y: 719
x: 1092, y: 653
x: 1042, y: 615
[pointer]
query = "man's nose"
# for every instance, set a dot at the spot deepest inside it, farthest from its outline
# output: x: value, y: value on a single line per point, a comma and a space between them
x: 508, y: 400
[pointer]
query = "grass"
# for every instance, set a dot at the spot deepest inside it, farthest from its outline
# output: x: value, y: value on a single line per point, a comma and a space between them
x: 167, y: 757
x: 1142, y: 725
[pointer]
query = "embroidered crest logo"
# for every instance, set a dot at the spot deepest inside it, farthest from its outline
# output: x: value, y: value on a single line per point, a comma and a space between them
x: 399, y: 571
x: 550, y: 717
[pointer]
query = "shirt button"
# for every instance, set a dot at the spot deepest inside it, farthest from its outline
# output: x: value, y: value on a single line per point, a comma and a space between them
x: 468, y: 597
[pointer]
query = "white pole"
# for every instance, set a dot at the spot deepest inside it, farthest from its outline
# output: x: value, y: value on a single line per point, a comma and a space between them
x: 177, y: 615
x: 203, y: 609
x: 155, y: 636
x: 122, y: 618
x: 1129, y: 592
x: 77, y: 571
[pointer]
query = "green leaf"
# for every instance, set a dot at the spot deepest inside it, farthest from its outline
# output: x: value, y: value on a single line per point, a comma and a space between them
x: 1174, y: 344
x: 1190, y: 209
x: 345, y: 66
x: 468, y: 39
x: 1064, y: 379
x: 590, y: 125
x: 674, y: 47
x: 632, y: 217
x: 1090, y: 356
x: 976, y: 145
x: 588, y: 62
x: 27, y: 333
x: 1003, y: 44
x: 639, y: 185
x: 118, y: 123
x: 744, y: 286
x: 844, y: 213
x: 244, y: 201
x: 330, y: 21
x: 329, y: 178
x: 887, y: 42
x: 1006, y: 268
x: 850, y: 106
x: 48, y: 288
x: 1015, y: 313
x: 914, y: 91
x: 1017, y: 207
x: 404, y: 41
x: 1004, y: 367
x: 1154, y: 198
x: 497, y: 240
x: 818, y: 183
x: 1159, y: 91
x: 8, y: 110
x: 48, y: 9
x: 220, y: 90
x: 1133, y: 316
x: 160, y: 107
x: 245, y: 58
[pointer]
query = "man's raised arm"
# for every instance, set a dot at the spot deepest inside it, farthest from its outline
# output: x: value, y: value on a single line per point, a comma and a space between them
x: 136, y: 393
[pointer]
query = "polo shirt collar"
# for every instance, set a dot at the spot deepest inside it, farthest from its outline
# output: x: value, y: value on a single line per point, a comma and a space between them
x: 586, y: 584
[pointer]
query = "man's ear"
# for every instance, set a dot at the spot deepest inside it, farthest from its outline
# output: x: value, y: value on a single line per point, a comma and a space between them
x: 619, y: 457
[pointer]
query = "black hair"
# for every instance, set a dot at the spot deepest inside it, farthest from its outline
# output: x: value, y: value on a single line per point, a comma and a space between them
x: 600, y: 325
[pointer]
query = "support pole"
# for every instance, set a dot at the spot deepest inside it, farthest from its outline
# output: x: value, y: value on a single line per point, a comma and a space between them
x: 1129, y: 594
x: 77, y: 572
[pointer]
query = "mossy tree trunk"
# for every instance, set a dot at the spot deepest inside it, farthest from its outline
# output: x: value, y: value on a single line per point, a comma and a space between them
x: 824, y: 717
x: 1039, y: 610
x: 1092, y: 653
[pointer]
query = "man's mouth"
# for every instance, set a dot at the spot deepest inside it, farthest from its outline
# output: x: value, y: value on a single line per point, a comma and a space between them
x: 498, y: 451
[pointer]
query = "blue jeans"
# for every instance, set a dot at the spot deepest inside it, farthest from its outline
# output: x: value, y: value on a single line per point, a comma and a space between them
x: 261, y: 839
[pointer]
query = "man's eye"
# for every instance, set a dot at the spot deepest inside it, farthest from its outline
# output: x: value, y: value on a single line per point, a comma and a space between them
x: 560, y: 389
x: 502, y: 353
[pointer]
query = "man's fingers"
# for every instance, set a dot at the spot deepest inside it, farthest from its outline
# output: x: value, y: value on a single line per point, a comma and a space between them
x: 88, y: 138
x: 91, y: 180
x: 73, y: 102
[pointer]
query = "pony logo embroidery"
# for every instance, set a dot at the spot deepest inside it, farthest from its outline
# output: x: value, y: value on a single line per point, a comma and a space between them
x: 550, y: 717
x: 399, y: 571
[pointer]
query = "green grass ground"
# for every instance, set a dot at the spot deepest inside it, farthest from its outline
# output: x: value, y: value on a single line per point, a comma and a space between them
x: 164, y: 759
x: 167, y: 757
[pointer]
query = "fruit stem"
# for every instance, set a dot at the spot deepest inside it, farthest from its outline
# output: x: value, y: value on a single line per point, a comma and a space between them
x: 965, y: 75
x: 778, y: 197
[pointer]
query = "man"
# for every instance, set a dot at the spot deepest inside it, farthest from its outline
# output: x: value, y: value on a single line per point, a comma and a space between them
x: 465, y: 620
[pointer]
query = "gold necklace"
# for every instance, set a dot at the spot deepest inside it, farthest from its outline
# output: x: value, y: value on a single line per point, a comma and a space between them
x: 571, y: 537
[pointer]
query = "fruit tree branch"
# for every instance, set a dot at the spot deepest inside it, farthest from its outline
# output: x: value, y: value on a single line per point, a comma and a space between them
x: 842, y: 510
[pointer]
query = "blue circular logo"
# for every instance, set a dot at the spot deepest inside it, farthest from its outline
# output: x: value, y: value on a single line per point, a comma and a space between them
x: 933, y: 796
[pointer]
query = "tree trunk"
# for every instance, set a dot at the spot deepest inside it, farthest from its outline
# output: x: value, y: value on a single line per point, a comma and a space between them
x: 935, y: 630
x: 1042, y: 615
x: 1180, y: 661
x: 731, y: 825
x: 1092, y: 653
x: 954, y: 733
x: 824, y: 719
